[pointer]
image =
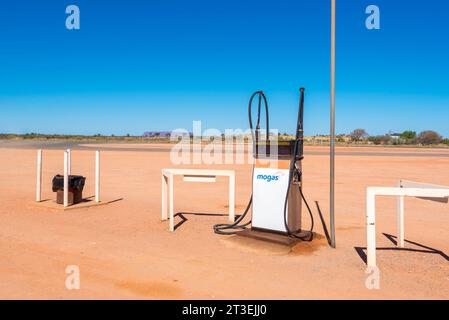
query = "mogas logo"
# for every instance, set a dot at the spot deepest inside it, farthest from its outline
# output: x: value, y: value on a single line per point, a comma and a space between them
x: 270, y: 177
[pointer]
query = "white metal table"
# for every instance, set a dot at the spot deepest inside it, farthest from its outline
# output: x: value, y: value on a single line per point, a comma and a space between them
x: 192, y: 175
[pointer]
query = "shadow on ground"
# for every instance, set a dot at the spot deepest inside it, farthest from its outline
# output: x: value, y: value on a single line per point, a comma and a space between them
x: 421, y: 248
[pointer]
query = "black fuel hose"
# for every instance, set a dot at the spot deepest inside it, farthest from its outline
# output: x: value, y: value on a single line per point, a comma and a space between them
x: 295, y: 234
x: 293, y: 170
x: 255, y: 134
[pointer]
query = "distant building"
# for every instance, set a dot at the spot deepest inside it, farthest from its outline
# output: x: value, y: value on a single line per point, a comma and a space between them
x: 319, y: 139
x: 162, y: 134
x: 394, y: 136
x: 343, y: 138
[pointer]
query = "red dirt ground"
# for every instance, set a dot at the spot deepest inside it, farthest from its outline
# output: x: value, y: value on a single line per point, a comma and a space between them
x: 124, y: 251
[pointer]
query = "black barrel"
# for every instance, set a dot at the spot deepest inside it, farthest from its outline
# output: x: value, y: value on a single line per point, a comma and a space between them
x: 76, y: 183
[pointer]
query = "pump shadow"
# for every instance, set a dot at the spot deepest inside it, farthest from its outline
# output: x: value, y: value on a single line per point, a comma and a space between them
x: 361, y: 250
x: 182, y: 216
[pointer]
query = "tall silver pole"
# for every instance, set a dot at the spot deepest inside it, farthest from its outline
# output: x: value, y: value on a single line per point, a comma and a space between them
x: 332, y: 129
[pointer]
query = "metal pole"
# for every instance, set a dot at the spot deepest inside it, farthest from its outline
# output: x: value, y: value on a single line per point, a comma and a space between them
x: 332, y: 127
x: 66, y: 179
x: 39, y: 176
x: 69, y: 164
x: 97, y: 176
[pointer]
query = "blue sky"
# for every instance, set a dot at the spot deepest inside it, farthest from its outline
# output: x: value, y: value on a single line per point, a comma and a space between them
x: 158, y: 65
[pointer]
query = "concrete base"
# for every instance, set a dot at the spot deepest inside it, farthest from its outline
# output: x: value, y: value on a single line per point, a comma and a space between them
x: 85, y: 203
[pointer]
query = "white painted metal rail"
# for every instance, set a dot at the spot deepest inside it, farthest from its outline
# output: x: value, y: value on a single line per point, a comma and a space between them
x: 67, y: 172
x: 404, y: 189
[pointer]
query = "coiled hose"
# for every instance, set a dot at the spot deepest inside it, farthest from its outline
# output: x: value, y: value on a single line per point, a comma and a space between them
x: 222, y: 227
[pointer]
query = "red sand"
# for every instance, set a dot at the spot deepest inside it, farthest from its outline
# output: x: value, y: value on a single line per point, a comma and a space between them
x: 125, y: 251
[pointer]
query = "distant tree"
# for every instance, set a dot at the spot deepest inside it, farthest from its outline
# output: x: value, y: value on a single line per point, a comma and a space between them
x: 446, y: 141
x: 429, y: 137
x: 358, y: 134
x: 408, y: 135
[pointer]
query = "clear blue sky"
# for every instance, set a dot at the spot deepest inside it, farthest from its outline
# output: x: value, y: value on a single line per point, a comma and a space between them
x: 158, y: 65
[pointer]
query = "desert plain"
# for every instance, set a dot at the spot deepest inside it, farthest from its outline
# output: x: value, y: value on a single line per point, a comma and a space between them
x: 124, y: 250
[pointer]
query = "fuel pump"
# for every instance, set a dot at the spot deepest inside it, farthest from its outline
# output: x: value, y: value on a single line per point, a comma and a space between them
x: 277, y: 184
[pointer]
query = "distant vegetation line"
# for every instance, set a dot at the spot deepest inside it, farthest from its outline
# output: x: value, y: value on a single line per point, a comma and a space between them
x: 356, y: 137
x: 408, y: 137
x: 81, y: 138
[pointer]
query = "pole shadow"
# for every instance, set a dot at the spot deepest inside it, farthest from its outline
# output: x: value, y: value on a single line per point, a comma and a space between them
x: 326, y: 231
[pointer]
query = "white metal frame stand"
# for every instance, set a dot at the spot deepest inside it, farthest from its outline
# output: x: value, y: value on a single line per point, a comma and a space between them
x: 192, y: 175
x: 67, y: 172
x: 405, y: 189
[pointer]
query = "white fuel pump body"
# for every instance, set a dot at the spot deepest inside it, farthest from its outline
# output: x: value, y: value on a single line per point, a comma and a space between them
x: 269, y: 190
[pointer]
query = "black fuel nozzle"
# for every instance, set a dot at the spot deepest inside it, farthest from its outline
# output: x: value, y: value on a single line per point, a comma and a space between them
x: 299, y: 154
